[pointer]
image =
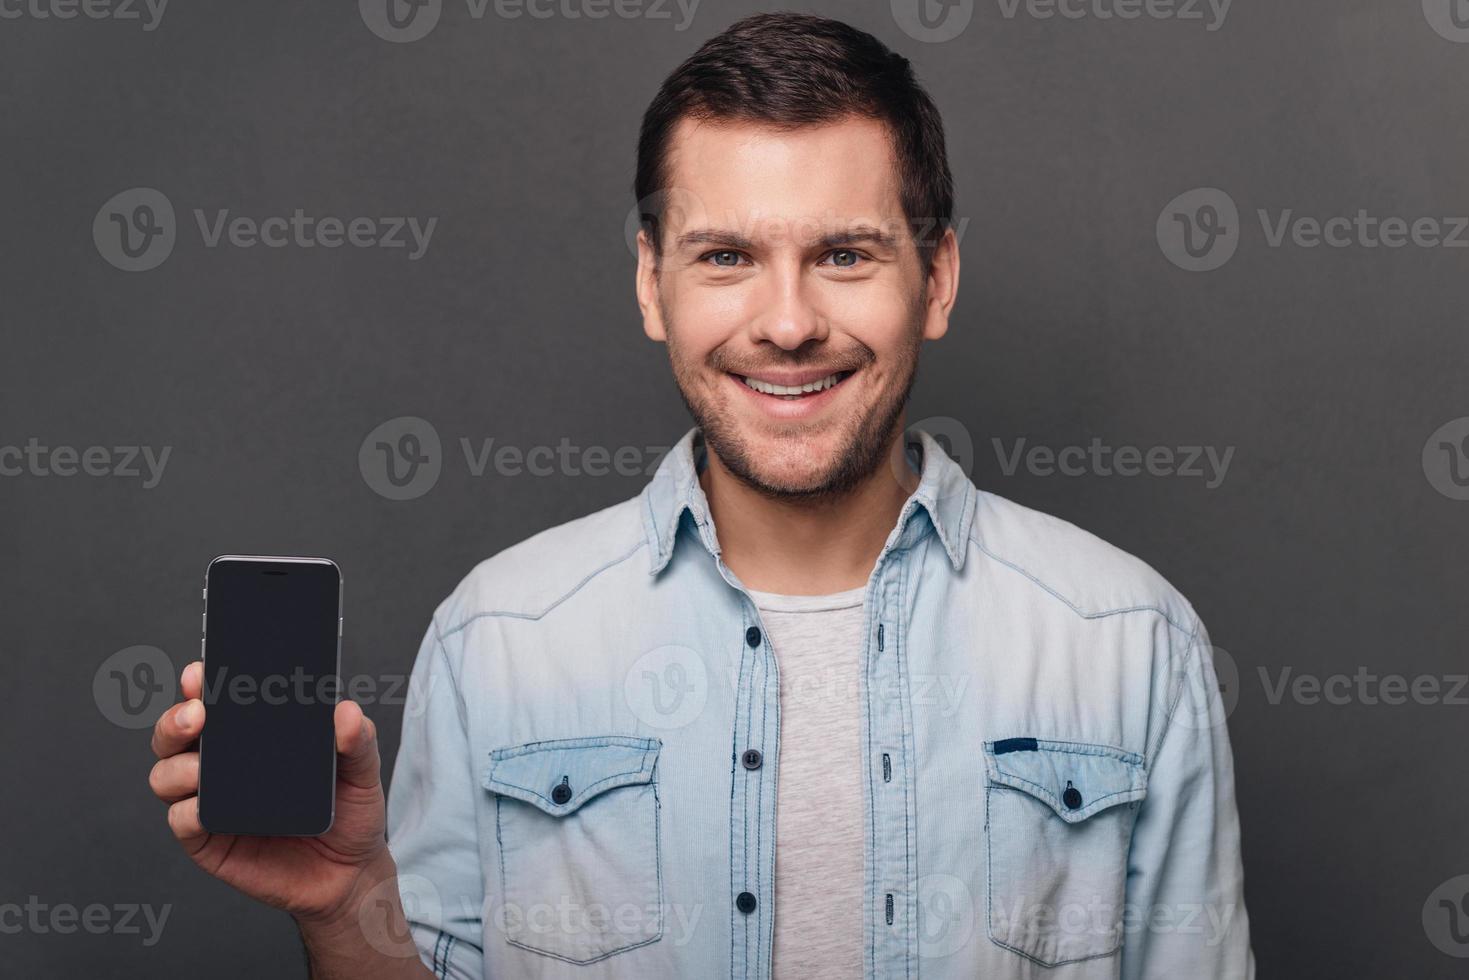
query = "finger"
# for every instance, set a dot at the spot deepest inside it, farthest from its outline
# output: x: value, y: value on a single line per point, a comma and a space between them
x: 191, y: 681
x: 177, y: 727
x: 176, y: 777
x: 357, y: 757
x: 183, y: 820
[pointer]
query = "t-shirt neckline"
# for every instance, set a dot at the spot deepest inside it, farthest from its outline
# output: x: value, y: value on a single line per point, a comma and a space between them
x: 779, y: 602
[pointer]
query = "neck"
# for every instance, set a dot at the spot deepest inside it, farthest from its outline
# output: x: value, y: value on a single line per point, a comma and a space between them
x: 807, y: 546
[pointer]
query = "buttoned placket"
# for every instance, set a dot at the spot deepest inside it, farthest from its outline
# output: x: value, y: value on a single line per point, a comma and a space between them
x: 754, y: 772
x: 887, y: 728
x: 891, y: 894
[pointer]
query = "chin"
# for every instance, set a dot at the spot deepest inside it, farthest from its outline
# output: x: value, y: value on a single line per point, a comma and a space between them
x: 795, y: 464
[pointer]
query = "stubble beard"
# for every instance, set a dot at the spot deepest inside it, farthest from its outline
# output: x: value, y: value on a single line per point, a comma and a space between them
x: 865, y: 447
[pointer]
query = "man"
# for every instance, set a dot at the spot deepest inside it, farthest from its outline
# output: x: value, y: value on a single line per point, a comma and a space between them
x: 810, y: 705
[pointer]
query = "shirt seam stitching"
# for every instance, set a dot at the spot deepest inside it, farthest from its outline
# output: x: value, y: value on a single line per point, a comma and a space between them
x: 512, y: 614
x: 1084, y: 614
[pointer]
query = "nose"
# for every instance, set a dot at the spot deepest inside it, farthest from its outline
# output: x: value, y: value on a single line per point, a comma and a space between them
x: 787, y: 316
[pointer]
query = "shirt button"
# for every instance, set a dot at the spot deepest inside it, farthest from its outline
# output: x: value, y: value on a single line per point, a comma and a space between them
x: 751, y: 759
x: 745, y: 902
x: 1072, y: 797
x: 752, y: 636
x: 560, y: 794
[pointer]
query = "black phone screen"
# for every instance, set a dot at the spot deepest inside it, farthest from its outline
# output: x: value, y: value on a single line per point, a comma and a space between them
x: 267, y: 755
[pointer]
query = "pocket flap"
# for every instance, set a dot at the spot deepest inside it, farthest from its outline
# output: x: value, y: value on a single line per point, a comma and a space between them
x: 558, y: 776
x: 1075, y: 779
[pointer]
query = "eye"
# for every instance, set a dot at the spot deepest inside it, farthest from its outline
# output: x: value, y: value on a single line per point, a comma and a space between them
x: 844, y: 258
x: 726, y: 259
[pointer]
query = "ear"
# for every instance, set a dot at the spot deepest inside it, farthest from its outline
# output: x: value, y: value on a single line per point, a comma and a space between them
x: 943, y: 286
x: 647, y: 289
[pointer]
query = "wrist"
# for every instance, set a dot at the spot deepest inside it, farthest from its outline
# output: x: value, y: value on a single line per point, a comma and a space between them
x: 377, y: 880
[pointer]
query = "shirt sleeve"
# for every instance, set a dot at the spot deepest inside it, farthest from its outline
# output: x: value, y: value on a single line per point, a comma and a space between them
x: 1185, y: 913
x: 432, y: 832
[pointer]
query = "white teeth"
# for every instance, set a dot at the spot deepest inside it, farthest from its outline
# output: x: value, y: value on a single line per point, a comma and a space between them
x: 765, y: 387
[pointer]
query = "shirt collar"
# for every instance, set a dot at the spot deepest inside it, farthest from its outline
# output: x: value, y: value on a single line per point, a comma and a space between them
x: 945, y: 498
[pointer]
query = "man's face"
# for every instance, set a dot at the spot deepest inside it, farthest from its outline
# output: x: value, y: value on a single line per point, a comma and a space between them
x: 792, y: 297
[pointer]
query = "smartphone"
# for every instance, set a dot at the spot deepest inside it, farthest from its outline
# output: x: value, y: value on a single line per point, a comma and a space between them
x: 272, y: 655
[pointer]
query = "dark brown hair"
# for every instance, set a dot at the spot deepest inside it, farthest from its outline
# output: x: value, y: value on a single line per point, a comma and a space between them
x: 793, y: 70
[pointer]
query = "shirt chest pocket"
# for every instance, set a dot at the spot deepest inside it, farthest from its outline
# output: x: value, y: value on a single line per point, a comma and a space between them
x: 577, y: 827
x: 1059, y: 818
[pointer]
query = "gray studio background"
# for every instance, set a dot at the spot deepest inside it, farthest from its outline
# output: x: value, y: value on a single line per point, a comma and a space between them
x: 1084, y: 150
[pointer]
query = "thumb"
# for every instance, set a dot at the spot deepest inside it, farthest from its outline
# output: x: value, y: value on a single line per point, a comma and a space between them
x: 357, y: 756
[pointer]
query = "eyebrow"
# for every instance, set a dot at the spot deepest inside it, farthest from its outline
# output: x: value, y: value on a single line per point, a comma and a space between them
x: 859, y: 235
x: 714, y: 236
x: 856, y: 235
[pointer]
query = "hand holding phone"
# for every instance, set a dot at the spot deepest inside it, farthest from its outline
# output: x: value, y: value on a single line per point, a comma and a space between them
x: 319, y: 879
x: 310, y: 877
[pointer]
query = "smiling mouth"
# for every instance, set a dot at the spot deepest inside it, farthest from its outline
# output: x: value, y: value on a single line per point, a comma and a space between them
x: 794, y: 392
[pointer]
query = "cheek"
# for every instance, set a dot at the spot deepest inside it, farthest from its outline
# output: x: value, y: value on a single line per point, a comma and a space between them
x: 722, y: 311
x: 878, y: 315
x: 704, y: 319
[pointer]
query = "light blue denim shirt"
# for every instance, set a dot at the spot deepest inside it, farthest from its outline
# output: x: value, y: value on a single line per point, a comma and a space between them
x: 1048, y: 784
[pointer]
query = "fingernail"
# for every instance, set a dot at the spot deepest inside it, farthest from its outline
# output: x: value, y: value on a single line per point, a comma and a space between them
x: 189, y: 717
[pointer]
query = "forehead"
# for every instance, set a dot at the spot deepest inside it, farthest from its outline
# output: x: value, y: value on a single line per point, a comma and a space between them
x: 839, y: 172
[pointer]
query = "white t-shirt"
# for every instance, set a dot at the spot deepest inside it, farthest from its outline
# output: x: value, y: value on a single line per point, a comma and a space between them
x: 819, y: 852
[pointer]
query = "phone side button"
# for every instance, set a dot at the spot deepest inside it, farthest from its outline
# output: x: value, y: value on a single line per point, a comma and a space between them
x: 339, y: 626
